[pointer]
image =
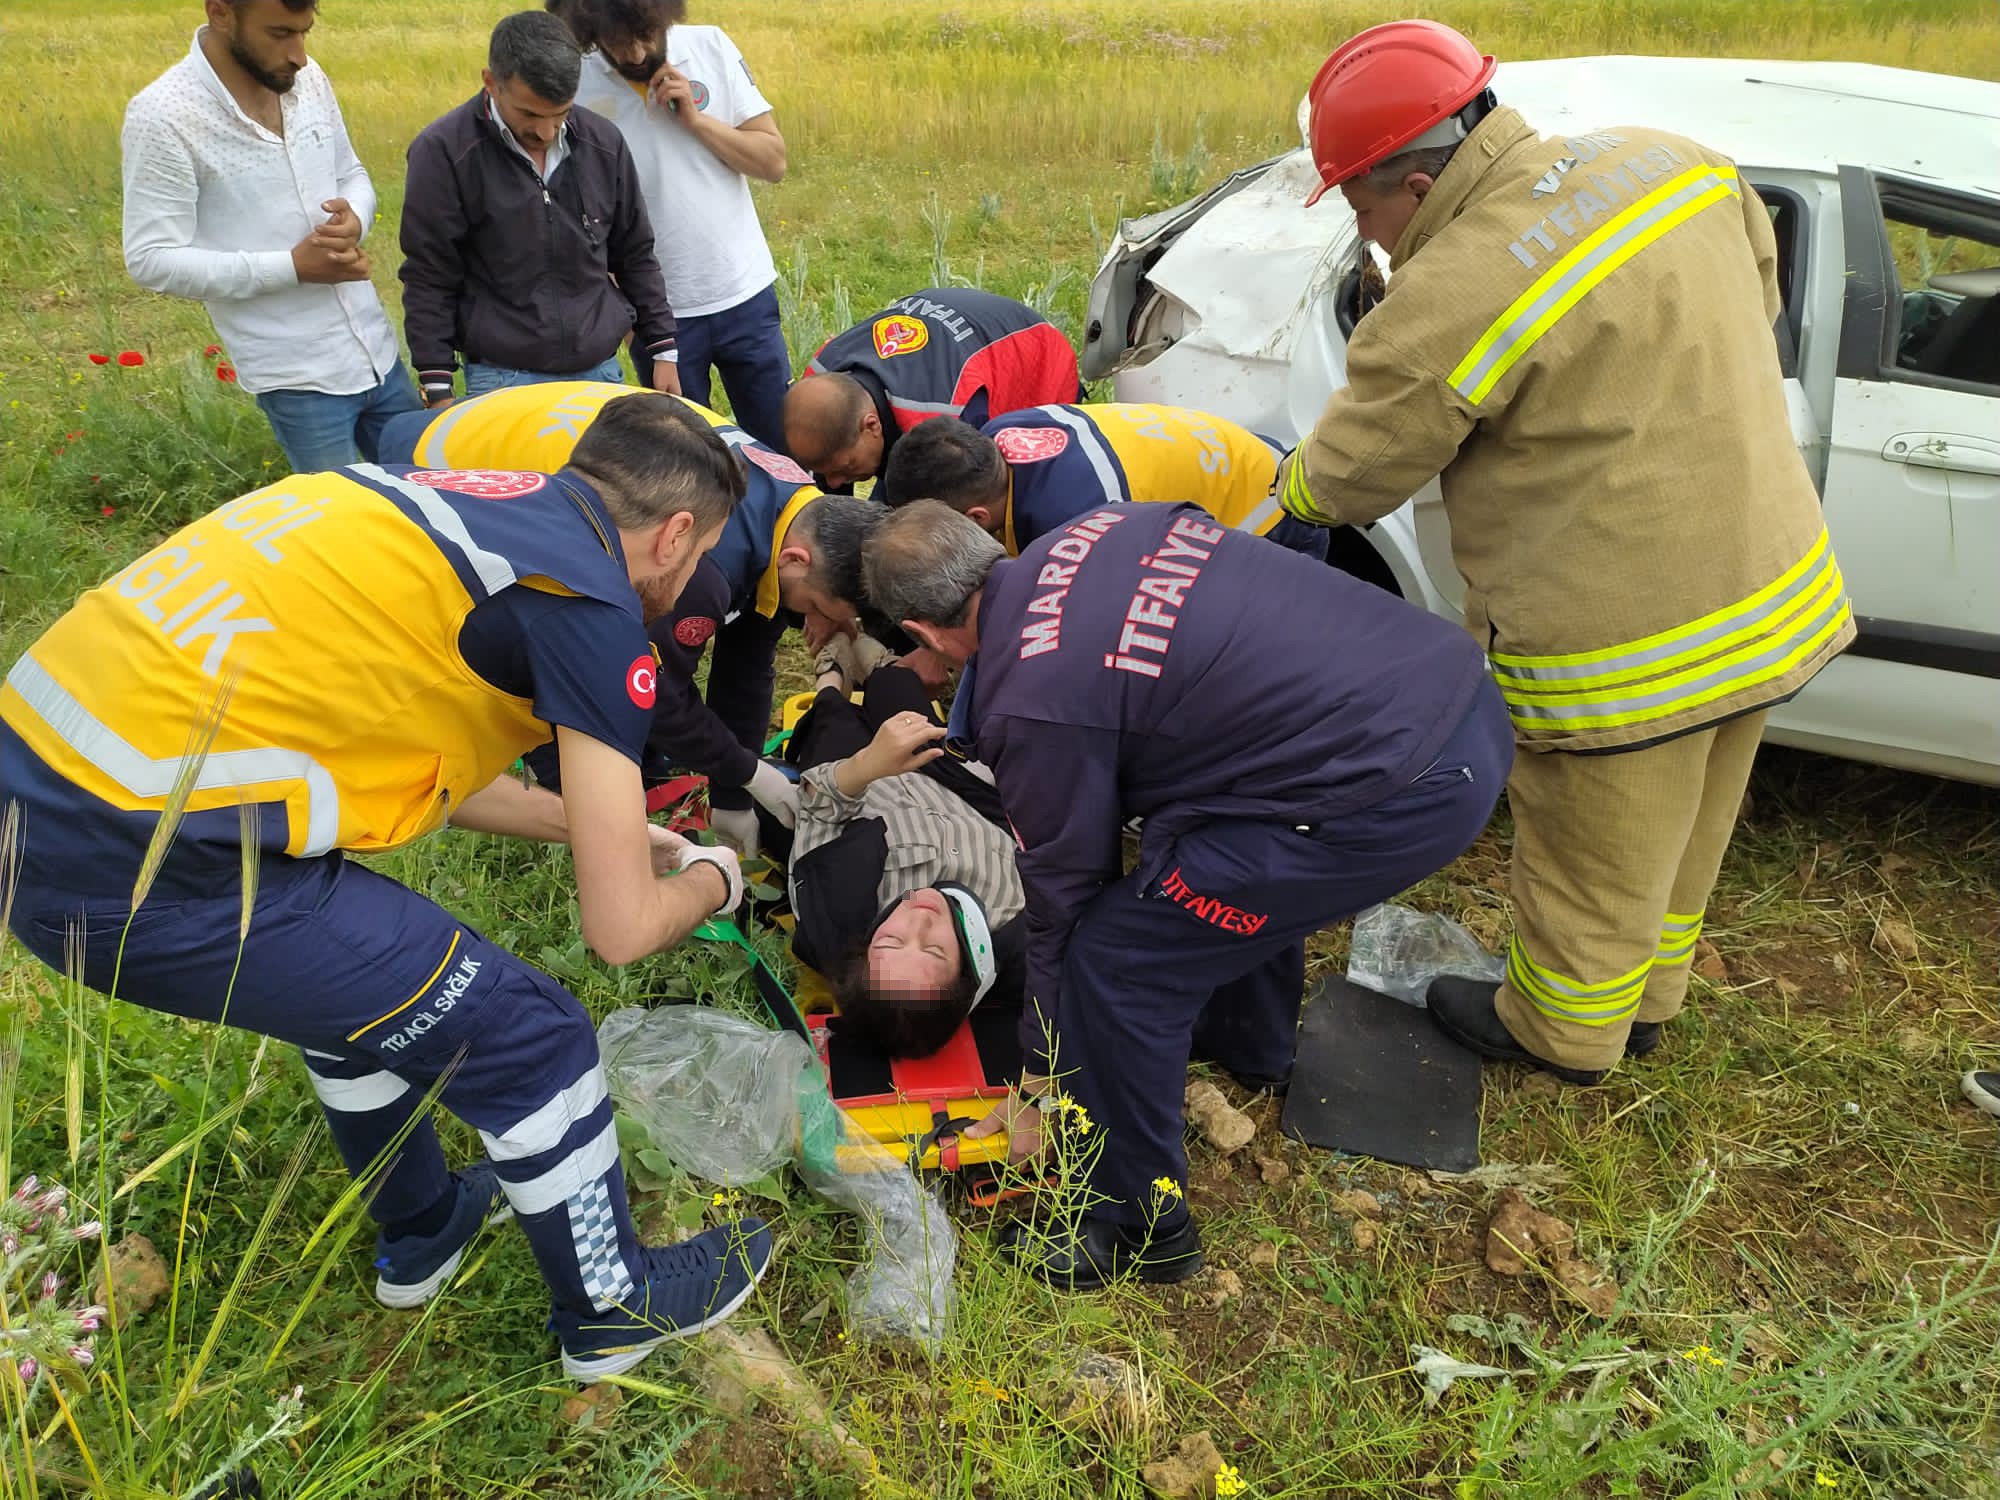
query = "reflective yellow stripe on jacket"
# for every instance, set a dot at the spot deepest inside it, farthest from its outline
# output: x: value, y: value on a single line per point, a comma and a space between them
x: 1726, y: 651
x: 1564, y: 284
x: 1296, y: 497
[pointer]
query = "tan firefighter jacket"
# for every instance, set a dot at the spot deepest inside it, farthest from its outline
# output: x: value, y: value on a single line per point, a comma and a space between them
x: 1577, y: 339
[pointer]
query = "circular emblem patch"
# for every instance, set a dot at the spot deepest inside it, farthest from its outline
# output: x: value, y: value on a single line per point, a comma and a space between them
x: 1027, y: 445
x: 700, y: 92
x: 642, y: 681
x: 694, y: 630
x: 899, y: 333
x: 775, y: 464
x: 487, y: 484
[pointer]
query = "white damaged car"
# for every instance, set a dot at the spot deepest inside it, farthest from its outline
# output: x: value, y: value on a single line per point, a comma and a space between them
x: 1884, y: 191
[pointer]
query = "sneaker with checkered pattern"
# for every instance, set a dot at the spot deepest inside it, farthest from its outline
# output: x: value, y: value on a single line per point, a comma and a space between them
x: 689, y: 1287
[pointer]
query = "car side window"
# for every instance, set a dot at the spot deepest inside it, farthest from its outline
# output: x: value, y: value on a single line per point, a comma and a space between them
x: 1945, y: 303
x: 1947, y: 298
x: 1788, y: 222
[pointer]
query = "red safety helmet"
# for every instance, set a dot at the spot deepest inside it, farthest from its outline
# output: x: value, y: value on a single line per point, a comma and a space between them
x: 1383, y: 89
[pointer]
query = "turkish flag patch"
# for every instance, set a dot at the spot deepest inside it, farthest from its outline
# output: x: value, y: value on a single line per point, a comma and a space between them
x: 694, y: 630
x: 1027, y: 445
x: 779, y: 467
x: 642, y: 681
x: 487, y: 484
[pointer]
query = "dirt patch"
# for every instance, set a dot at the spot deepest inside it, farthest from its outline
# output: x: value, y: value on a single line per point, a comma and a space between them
x: 1104, y: 1394
x: 130, y: 1279
x: 1188, y: 1473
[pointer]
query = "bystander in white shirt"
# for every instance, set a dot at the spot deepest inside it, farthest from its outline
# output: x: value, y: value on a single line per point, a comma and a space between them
x: 705, y: 229
x: 214, y: 203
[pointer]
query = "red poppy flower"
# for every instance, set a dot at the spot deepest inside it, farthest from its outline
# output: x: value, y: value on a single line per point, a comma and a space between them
x: 226, y: 372
x: 108, y: 510
x: 131, y: 358
x: 211, y: 351
x: 73, y: 436
x: 95, y: 478
x: 100, y: 359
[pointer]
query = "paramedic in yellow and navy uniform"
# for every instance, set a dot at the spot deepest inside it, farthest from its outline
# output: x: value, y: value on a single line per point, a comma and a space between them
x: 1029, y: 472
x: 342, y: 662
x: 786, y: 550
x: 1576, y: 340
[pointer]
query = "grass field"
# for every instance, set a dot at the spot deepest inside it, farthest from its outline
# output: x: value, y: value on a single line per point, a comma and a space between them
x: 1798, y: 1213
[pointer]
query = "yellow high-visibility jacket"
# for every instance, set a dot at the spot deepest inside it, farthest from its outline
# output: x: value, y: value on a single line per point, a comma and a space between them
x: 538, y: 426
x: 1577, y: 340
x: 1065, y: 460
x: 298, y: 649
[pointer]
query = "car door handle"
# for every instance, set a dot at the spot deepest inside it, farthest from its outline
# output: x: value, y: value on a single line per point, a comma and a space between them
x: 1942, y: 450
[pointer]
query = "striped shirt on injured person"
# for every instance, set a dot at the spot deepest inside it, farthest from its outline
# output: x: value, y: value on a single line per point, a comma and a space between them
x: 931, y: 836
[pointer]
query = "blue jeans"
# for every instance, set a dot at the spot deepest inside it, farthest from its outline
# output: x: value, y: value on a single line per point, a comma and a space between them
x: 320, y: 432
x: 746, y: 346
x: 402, y: 433
x: 479, y: 379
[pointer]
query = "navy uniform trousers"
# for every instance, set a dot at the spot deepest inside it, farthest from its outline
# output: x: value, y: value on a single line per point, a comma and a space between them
x: 1206, y: 958
x: 388, y: 996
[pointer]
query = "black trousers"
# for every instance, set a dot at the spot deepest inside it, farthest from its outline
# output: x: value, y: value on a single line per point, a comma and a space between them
x: 742, y: 675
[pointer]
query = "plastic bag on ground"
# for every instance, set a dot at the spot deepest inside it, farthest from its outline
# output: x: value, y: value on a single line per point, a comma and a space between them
x: 717, y: 1095
x: 730, y: 1101
x: 904, y: 1288
x: 1398, y: 951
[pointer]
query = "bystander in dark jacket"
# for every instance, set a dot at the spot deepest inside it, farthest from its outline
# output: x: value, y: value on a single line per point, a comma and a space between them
x: 527, y: 248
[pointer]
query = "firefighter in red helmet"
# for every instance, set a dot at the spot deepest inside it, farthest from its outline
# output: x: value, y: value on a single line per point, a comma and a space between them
x: 1576, y: 339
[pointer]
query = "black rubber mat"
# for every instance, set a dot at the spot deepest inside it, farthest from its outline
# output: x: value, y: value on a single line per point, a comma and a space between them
x: 1375, y: 1078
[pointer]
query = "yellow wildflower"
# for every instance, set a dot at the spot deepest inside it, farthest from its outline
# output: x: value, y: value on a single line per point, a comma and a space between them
x: 1701, y: 1354
x: 1824, y: 1480
x: 1166, y: 1187
x: 1229, y: 1482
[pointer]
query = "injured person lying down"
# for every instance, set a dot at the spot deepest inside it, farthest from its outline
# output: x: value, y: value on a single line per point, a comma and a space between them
x: 902, y: 869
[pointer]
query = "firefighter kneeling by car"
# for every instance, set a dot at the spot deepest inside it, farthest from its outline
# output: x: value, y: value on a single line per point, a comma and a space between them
x: 1301, y: 745
x: 1577, y: 339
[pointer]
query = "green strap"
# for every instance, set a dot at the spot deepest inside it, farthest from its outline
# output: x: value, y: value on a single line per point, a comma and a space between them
x: 770, y: 989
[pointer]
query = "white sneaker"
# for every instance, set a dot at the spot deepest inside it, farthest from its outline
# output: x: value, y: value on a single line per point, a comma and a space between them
x: 1982, y: 1090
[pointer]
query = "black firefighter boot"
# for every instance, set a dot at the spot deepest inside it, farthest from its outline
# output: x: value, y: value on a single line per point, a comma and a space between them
x: 1083, y: 1257
x: 1463, y: 1010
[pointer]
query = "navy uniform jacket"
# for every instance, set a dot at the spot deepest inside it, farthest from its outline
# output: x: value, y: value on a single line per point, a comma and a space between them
x: 1144, y: 660
x: 737, y: 581
x: 952, y: 352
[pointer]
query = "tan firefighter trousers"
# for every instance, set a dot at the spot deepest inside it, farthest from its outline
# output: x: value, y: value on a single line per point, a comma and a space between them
x: 1614, y: 859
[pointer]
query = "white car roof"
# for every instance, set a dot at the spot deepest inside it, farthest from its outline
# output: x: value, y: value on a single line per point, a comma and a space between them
x: 1803, y: 116
x: 1808, y: 116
